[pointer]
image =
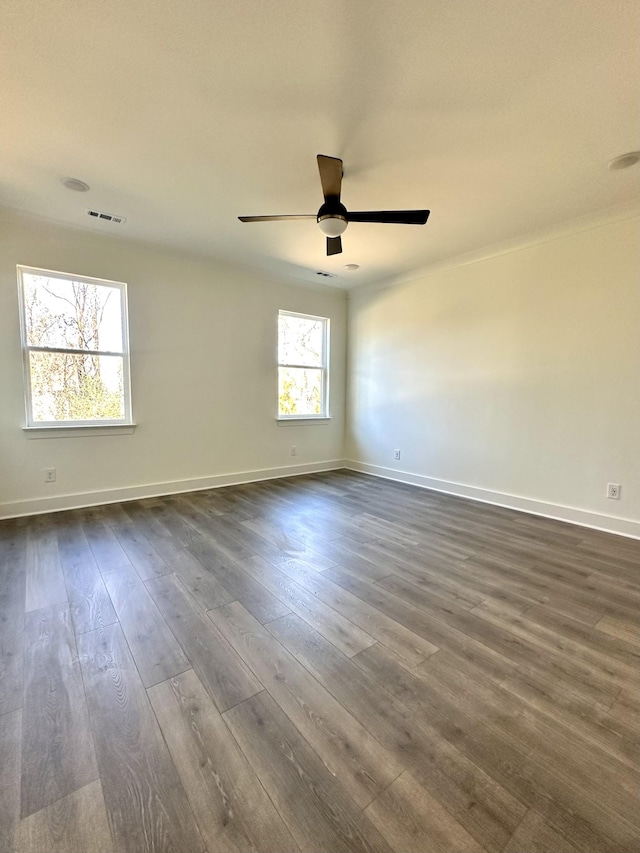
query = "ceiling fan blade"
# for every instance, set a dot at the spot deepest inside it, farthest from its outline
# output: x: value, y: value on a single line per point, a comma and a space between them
x: 401, y: 217
x: 330, y: 169
x: 277, y: 218
x: 334, y: 245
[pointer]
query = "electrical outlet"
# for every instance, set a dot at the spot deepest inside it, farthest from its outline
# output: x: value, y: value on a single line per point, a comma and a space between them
x: 49, y: 475
x: 613, y: 491
x: 294, y: 450
x: 396, y: 455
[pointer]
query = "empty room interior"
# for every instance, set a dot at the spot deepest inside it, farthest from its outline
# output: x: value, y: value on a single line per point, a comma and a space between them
x: 320, y: 426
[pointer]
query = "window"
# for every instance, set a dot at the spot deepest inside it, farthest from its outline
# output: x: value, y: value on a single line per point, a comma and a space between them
x: 303, y: 360
x: 76, y: 349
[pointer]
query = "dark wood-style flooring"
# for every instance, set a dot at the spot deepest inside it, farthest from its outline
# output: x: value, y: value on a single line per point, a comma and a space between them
x: 327, y: 663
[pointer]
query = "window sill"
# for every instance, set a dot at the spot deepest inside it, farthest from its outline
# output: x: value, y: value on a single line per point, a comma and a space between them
x: 303, y: 421
x: 78, y: 431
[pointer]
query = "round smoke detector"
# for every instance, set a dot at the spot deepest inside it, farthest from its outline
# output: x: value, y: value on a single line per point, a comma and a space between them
x: 624, y: 161
x: 76, y: 185
x: 352, y: 267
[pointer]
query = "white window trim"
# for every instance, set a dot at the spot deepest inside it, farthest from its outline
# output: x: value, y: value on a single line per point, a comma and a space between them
x: 32, y: 424
x: 324, y: 414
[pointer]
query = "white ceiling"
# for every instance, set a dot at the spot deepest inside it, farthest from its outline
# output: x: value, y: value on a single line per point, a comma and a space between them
x: 499, y: 116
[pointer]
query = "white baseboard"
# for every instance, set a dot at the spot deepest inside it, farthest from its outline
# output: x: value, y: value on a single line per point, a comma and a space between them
x: 57, y: 503
x: 582, y: 517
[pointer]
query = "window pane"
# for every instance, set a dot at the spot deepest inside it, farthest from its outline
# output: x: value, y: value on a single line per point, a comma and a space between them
x: 71, y: 387
x: 300, y: 391
x: 66, y: 313
x: 300, y: 341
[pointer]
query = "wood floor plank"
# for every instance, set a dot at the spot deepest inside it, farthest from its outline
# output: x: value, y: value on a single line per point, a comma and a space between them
x: 307, y: 526
x: 453, y: 718
x: 145, y: 801
x: 534, y: 835
x: 340, y: 521
x: 450, y: 627
x: 612, y: 550
x: 378, y: 528
x: 166, y: 514
x: 623, y: 594
x: 57, y: 745
x: 496, y: 662
x: 605, y: 669
x: 262, y: 548
x: 146, y: 521
x: 575, y: 563
x: 212, y: 528
x: 10, y: 740
x: 577, y: 698
x: 407, y: 645
x: 227, y: 502
x: 155, y: 650
x: 453, y: 577
x: 227, y: 679
x: 89, y: 601
x: 521, y: 578
x: 142, y: 555
x: 413, y: 821
x: 201, y: 583
x: 403, y: 585
x: 75, y: 824
x: 232, y: 808
x: 106, y: 549
x: 474, y: 799
x: 570, y: 711
x: 319, y: 812
x: 617, y: 785
x: 479, y: 622
x: 622, y: 629
x: 624, y: 714
x: 348, y: 750
x: 433, y: 549
x: 276, y: 534
x: 343, y: 633
x: 12, y: 599
x: 525, y: 774
x: 446, y: 588
x: 563, y: 804
x: 621, y: 649
x: 349, y: 558
x: 45, y: 581
x: 253, y: 596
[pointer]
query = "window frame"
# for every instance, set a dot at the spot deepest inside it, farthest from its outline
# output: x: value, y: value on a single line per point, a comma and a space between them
x: 324, y: 368
x: 32, y: 424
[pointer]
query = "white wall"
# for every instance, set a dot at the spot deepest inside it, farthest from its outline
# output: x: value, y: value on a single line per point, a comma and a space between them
x: 515, y: 379
x: 204, y: 377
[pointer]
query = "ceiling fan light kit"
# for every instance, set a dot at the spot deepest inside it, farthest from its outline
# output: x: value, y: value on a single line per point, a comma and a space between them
x: 333, y: 217
x: 332, y: 224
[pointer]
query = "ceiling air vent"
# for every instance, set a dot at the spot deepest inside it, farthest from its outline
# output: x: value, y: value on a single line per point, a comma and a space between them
x: 107, y: 217
x: 325, y: 274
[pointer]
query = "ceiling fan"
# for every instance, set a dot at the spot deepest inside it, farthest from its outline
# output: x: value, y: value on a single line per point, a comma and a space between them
x: 333, y: 217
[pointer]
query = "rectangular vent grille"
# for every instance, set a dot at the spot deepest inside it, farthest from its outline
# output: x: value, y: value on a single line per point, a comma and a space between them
x: 107, y: 217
